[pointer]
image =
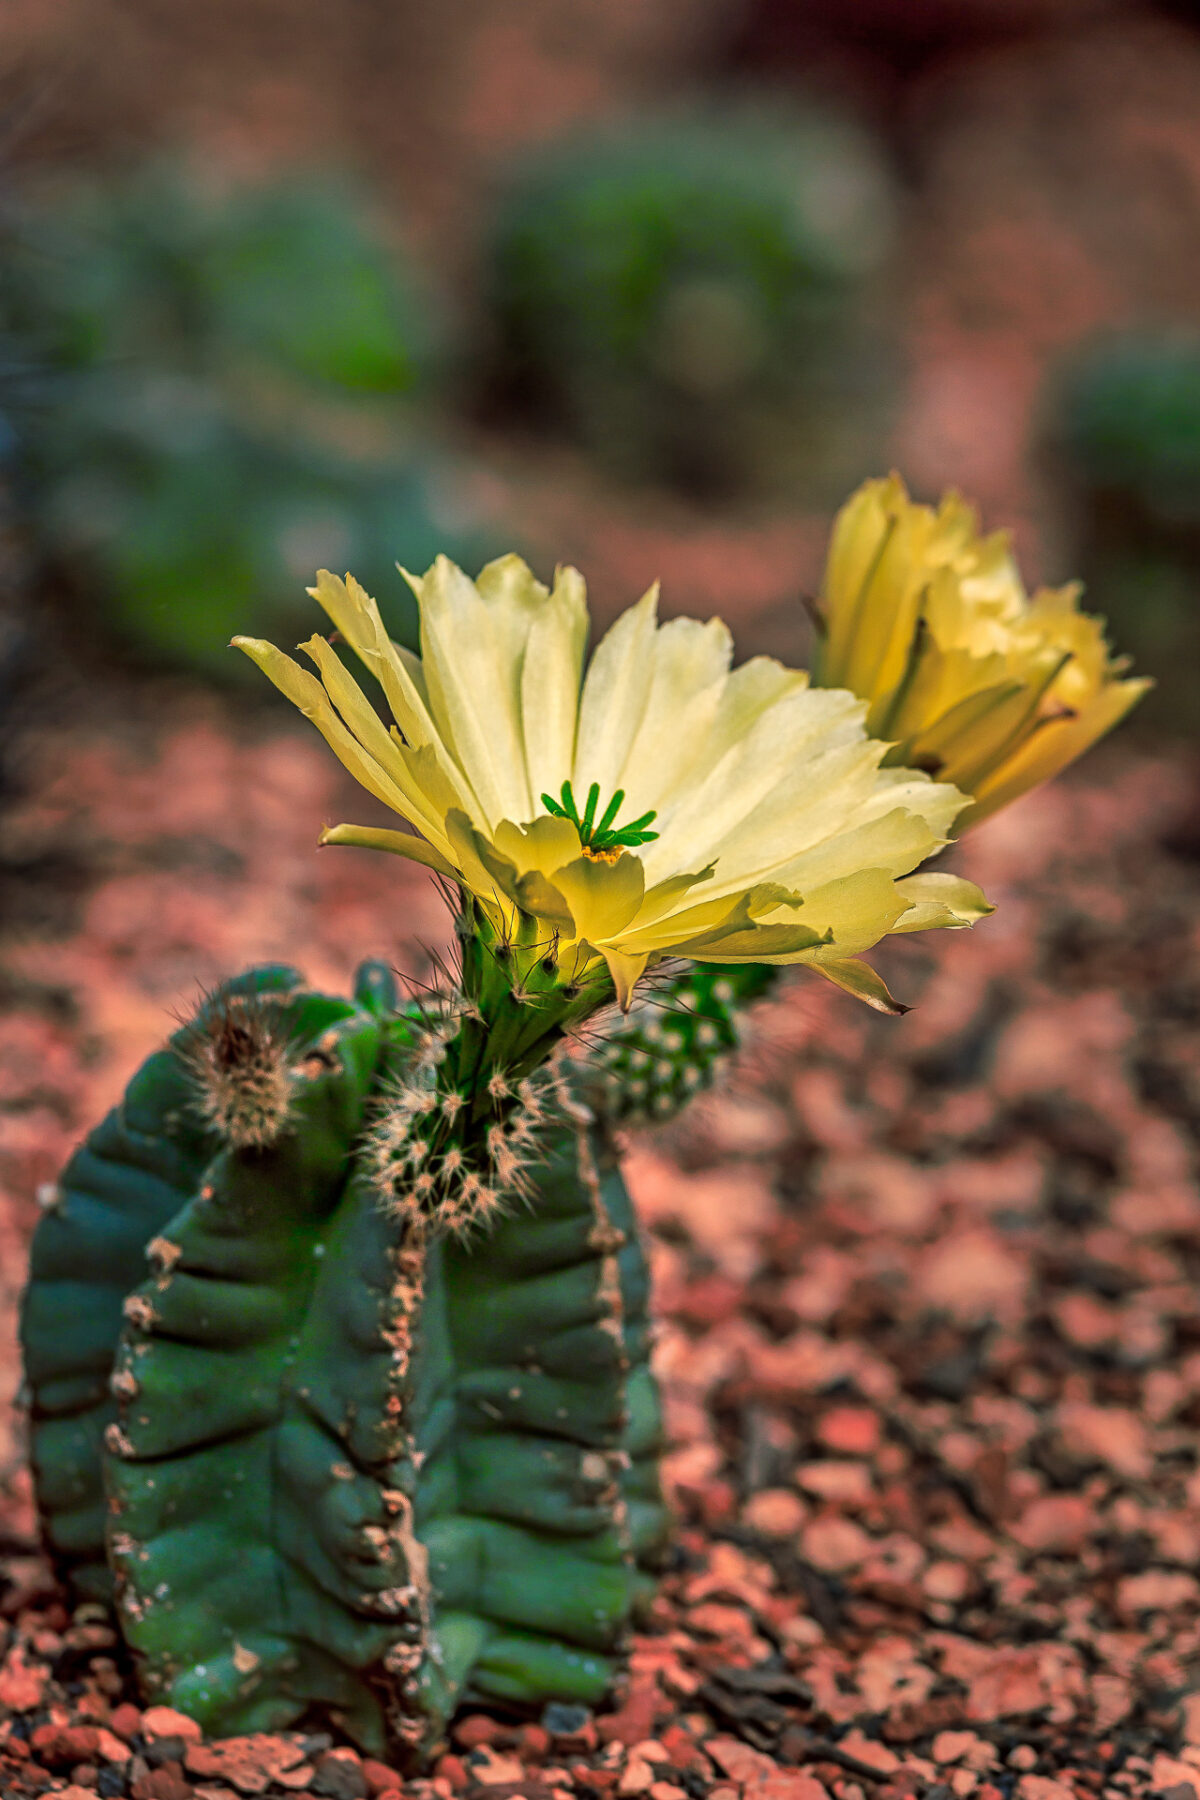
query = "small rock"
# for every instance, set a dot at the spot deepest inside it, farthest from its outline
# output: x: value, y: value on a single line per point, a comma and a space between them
x: 637, y: 1777
x: 1112, y: 1435
x: 1055, y: 1522
x: 476, y: 1730
x: 533, y: 1742
x: 379, y: 1778
x: 953, y: 1746
x: 563, y: 1721
x: 490, y: 1770
x: 948, y: 1581
x: 1156, y: 1590
x: 844, y: 1483
x: 62, y: 1746
x: 125, y: 1720
x: 339, y: 1775
x: 167, y: 1783
x: 738, y: 1760
x: 22, y: 1684
x: 112, y: 1748
x: 1169, y: 1772
x: 834, y: 1544
x: 776, y: 1512
x: 870, y: 1751
x: 788, y: 1784
x: 165, y: 1722
x: 850, y: 1430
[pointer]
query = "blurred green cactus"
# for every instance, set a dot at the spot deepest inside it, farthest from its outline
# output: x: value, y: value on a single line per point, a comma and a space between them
x: 1129, y: 420
x: 329, y: 1459
x: 686, y: 297
x: 227, y: 400
x: 1123, y: 427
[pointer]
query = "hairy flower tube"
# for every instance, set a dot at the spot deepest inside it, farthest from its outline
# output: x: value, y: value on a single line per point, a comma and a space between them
x: 965, y: 675
x: 655, y: 803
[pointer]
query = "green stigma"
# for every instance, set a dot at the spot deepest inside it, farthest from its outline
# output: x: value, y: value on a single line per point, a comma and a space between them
x: 598, y: 835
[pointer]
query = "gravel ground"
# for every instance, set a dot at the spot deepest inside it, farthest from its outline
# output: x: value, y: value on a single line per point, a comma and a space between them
x: 930, y: 1331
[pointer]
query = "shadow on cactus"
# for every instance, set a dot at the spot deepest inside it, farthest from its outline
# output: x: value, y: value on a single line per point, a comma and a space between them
x: 1122, y: 431
x: 235, y: 387
x: 691, y: 299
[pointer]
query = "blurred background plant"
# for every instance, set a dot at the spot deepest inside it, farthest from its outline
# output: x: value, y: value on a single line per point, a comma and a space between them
x: 1124, y: 434
x: 689, y: 297
x: 649, y: 293
x: 221, y: 392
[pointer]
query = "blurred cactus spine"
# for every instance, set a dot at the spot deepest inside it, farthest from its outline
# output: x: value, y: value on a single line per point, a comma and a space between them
x: 687, y: 298
x: 331, y: 1455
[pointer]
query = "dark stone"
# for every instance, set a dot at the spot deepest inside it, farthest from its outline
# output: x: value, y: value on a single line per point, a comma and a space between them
x: 337, y: 1778
x: 562, y: 1720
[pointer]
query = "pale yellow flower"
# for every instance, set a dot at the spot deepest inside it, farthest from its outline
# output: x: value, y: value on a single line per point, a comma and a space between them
x: 964, y: 674
x: 760, y: 826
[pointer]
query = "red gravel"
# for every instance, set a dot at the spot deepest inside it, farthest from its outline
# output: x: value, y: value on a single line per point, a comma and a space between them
x: 931, y: 1340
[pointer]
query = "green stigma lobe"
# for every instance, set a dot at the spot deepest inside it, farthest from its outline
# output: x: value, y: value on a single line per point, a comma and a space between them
x: 606, y: 835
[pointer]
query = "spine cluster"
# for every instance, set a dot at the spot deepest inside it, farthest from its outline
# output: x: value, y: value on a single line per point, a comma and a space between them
x: 448, y: 1152
x: 237, y: 1052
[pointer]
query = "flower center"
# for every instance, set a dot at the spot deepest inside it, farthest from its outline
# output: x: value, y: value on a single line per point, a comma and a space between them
x: 602, y: 839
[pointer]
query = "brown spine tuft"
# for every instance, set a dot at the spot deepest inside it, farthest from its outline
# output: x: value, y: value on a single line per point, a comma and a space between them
x: 238, y: 1057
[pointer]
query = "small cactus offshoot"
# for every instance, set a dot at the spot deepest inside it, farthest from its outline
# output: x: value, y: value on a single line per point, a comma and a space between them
x: 674, y: 1041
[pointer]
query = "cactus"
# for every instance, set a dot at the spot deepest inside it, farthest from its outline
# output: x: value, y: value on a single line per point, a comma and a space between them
x: 1122, y: 420
x: 232, y: 389
x: 320, y: 1454
x: 674, y: 1041
x: 688, y: 298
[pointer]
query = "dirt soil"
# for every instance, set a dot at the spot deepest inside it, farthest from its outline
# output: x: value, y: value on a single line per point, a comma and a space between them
x: 930, y: 1332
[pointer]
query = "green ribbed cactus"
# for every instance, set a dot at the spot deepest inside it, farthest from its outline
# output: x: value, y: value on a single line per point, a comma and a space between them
x: 673, y: 1042
x: 320, y: 1453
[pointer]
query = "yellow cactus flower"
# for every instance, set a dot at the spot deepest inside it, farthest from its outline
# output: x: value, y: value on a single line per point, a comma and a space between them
x: 964, y: 674
x: 759, y: 826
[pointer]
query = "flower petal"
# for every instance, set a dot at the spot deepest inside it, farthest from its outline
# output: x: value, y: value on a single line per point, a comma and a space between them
x: 399, y: 843
x: 603, y: 897
x: 615, y: 690
x: 472, y: 664
x: 864, y: 982
x: 938, y: 898
x: 626, y: 969
x: 355, y: 614
x: 1054, y: 744
x: 550, y: 679
x: 690, y: 669
x: 306, y: 692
